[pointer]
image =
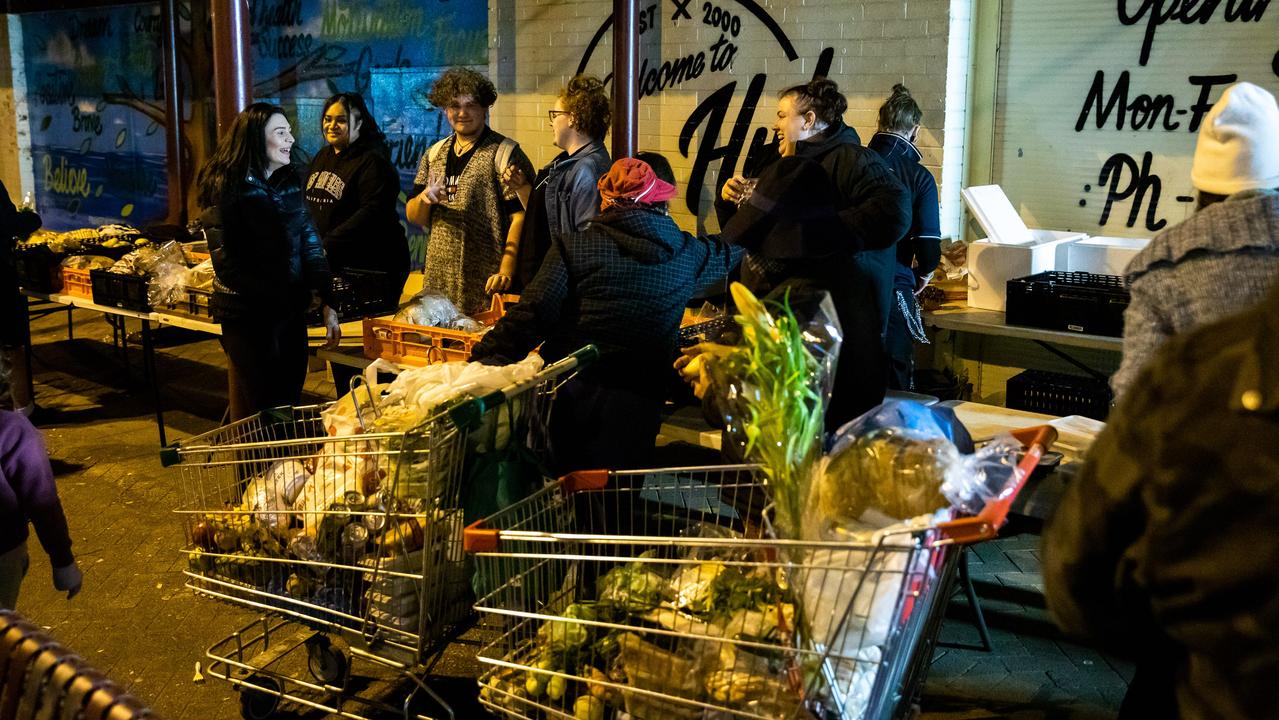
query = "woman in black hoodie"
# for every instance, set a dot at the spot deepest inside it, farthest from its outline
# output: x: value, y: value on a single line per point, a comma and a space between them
x: 351, y: 192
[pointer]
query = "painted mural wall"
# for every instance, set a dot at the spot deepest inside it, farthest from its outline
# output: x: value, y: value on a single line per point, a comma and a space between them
x: 94, y: 158
x: 1101, y: 101
x: 97, y: 149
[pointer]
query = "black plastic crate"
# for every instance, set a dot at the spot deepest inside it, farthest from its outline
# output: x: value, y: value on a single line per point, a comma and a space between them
x: 706, y: 330
x: 1059, y: 394
x: 194, y: 303
x: 363, y: 293
x: 1072, y: 301
x: 38, y: 268
x: 122, y: 291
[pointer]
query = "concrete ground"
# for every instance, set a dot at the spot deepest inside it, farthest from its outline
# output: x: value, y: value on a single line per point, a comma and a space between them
x: 135, y: 621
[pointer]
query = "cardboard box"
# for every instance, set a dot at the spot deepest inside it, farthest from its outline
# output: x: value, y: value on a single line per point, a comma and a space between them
x: 1104, y: 255
x: 1010, y: 249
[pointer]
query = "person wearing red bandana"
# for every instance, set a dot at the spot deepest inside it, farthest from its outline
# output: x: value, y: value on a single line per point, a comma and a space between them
x: 621, y: 284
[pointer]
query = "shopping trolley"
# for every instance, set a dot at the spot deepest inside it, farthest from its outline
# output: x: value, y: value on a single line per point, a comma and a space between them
x: 664, y: 594
x: 350, y: 545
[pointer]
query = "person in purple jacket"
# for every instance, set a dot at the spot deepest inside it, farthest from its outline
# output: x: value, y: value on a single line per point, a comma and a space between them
x: 28, y: 495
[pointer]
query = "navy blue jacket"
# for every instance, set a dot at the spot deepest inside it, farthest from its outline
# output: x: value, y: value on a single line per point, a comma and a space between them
x: 920, y: 249
x: 621, y: 284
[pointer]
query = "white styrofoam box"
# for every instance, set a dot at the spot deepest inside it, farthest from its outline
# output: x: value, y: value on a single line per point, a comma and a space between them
x: 1010, y: 250
x: 1104, y: 255
x: 996, y: 215
x: 992, y: 265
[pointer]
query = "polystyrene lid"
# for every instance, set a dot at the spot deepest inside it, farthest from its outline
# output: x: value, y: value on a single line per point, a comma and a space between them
x: 996, y: 215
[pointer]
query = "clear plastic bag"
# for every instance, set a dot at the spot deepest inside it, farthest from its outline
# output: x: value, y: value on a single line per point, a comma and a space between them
x: 429, y: 309
x: 168, y: 283
x: 901, y: 473
x: 200, y: 277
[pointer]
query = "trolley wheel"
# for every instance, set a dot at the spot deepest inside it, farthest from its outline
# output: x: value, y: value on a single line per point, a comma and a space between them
x: 326, y: 663
x: 258, y: 704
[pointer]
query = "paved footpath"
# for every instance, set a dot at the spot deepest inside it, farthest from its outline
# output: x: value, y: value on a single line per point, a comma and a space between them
x: 136, y: 622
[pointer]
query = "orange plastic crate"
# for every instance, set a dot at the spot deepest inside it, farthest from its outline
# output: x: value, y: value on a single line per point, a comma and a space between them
x: 407, y: 344
x: 77, y: 282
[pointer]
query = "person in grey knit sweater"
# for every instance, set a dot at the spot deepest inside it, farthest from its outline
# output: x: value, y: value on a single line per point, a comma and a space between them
x: 1225, y: 257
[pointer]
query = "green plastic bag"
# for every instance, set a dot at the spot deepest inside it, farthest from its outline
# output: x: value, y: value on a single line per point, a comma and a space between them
x: 496, y: 479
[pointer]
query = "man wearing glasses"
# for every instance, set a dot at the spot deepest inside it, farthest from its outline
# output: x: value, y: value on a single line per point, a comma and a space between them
x: 473, y: 224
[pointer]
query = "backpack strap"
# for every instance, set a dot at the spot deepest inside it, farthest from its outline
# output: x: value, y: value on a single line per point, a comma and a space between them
x: 503, y: 157
x: 437, y: 148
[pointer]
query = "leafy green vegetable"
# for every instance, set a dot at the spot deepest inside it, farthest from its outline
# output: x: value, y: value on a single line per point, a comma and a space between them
x: 779, y: 384
x: 735, y: 590
x: 631, y: 588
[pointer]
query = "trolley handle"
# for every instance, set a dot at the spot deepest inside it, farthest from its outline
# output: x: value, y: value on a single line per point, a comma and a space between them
x: 985, y: 524
x: 466, y: 415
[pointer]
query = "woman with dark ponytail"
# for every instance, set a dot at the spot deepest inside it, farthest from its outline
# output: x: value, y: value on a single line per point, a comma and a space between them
x: 855, y: 264
x: 919, y: 252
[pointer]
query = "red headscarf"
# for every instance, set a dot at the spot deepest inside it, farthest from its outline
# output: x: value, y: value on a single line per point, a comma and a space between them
x: 633, y: 181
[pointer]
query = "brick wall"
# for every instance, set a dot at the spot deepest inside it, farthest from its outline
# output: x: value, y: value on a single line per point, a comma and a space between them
x: 538, y: 45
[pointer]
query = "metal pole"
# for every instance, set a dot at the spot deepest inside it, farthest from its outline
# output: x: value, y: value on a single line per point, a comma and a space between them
x: 625, y: 67
x: 173, y: 130
x: 232, y: 71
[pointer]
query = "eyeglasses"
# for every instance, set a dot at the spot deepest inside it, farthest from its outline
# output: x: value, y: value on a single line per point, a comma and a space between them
x: 552, y: 114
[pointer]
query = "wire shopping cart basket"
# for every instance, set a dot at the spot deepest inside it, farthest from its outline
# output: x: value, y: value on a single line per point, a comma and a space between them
x: 663, y: 594
x: 350, y: 545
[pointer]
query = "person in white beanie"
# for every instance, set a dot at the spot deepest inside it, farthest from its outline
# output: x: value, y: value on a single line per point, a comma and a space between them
x: 1225, y: 257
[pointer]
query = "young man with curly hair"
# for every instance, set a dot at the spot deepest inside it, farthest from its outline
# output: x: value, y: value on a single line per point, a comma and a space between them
x: 473, y: 223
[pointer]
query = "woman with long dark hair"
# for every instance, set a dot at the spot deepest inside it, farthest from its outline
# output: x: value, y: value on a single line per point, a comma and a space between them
x: 267, y: 260
x: 352, y: 190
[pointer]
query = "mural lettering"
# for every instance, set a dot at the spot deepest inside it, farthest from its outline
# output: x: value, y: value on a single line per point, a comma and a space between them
x: 1157, y: 12
x: 1116, y: 104
x: 707, y: 120
x: 1144, y: 112
x: 65, y: 178
x: 1140, y: 181
x: 86, y: 122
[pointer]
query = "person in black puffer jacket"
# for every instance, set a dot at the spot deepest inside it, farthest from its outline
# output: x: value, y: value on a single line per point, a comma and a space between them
x: 871, y: 210
x: 267, y: 260
x: 620, y: 284
x: 351, y: 192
